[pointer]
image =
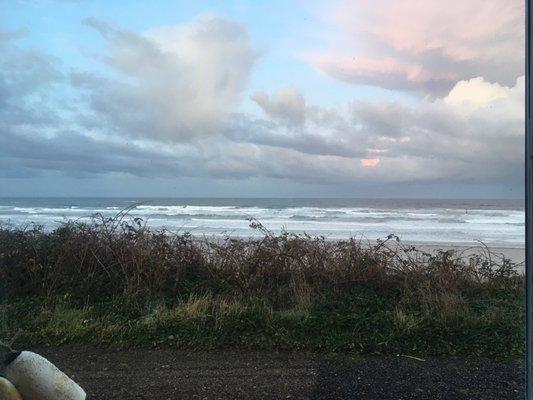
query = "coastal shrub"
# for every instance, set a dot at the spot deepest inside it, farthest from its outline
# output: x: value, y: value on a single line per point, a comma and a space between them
x: 118, y: 281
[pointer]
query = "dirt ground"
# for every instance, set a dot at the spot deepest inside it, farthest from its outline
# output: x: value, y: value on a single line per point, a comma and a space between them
x: 176, y: 374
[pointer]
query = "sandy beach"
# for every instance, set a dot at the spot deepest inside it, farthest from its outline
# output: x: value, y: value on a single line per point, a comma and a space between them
x: 515, y: 254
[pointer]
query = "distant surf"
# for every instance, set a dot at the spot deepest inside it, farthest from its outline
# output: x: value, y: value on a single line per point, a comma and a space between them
x: 495, y: 222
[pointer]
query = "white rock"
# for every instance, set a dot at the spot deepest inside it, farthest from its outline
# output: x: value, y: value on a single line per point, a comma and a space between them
x: 36, y: 378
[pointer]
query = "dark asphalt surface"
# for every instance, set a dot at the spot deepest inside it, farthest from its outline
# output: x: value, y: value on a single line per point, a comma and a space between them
x: 178, y: 374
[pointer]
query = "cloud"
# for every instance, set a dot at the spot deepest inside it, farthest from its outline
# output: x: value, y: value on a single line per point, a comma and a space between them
x: 480, y: 142
x: 13, y: 35
x: 369, y: 162
x: 286, y: 105
x: 423, y: 46
x: 474, y: 134
x: 386, y: 72
x: 179, y: 82
x: 483, y: 146
x: 27, y: 82
x: 388, y: 118
x: 79, y: 155
x: 475, y: 93
x: 160, y: 112
x: 311, y: 139
x: 25, y: 72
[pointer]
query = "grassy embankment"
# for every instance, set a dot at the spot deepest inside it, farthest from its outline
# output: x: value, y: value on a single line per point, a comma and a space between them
x: 118, y: 282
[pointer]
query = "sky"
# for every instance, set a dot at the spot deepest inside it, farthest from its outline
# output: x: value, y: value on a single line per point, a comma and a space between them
x: 362, y: 98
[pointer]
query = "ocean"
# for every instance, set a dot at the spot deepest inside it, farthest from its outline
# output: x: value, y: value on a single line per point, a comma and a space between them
x: 494, y: 222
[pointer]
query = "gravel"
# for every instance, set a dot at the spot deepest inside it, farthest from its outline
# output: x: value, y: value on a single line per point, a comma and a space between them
x: 138, y: 373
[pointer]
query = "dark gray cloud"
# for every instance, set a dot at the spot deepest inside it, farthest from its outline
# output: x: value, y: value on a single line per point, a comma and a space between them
x: 285, y: 105
x: 73, y: 153
x: 382, y: 118
x: 311, y: 139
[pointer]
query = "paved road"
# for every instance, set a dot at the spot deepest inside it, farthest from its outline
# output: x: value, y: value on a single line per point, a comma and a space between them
x: 177, y: 374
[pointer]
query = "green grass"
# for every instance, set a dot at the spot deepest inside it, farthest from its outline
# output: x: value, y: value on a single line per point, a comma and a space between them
x: 358, y: 320
x: 122, y: 284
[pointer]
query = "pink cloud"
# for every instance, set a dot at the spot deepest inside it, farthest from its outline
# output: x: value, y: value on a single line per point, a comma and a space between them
x: 462, y: 29
x: 369, y: 162
x: 423, y: 45
x: 393, y: 73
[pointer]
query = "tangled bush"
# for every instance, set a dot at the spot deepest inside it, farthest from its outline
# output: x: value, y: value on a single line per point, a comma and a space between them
x: 123, y: 257
x: 117, y: 281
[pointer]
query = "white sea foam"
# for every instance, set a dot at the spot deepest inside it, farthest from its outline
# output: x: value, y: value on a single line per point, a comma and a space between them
x: 423, y: 223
